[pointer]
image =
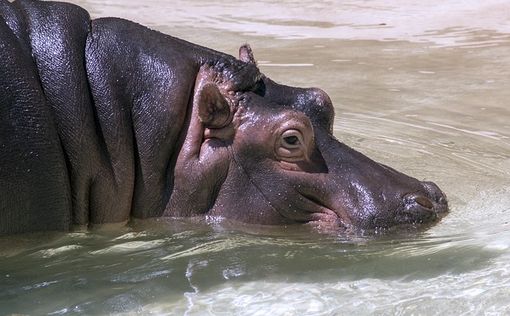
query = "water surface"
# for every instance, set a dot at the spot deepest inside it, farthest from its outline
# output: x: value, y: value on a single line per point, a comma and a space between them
x: 421, y: 87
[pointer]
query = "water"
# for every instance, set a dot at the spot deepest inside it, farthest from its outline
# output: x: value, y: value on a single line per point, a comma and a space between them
x: 421, y: 87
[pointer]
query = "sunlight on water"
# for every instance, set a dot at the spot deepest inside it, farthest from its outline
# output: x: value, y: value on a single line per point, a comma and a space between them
x: 420, y: 87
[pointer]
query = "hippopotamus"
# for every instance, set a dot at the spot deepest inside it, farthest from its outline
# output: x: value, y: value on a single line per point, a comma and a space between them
x: 105, y: 120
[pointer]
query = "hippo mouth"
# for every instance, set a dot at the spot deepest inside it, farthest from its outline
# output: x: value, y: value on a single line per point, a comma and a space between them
x: 325, y: 214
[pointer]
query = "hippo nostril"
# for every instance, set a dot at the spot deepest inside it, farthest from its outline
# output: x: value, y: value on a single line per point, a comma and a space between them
x: 423, y: 201
x: 418, y: 208
x: 414, y: 199
x: 437, y: 196
x: 434, y: 191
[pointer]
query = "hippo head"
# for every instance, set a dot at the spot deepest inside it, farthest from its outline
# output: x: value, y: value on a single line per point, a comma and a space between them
x: 260, y: 152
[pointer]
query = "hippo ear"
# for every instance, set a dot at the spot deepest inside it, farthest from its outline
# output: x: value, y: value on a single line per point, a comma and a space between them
x: 246, y: 54
x: 213, y: 109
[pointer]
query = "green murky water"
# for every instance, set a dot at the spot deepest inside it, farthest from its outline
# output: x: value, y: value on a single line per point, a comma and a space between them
x: 421, y: 87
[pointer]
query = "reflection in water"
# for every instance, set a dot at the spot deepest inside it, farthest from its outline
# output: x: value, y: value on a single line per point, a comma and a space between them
x: 421, y: 88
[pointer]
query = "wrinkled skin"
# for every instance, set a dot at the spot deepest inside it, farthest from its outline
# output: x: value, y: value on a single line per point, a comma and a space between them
x: 105, y: 120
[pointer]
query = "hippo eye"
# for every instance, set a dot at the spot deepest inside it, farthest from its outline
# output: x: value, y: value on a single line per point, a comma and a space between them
x: 291, y: 140
x: 291, y: 146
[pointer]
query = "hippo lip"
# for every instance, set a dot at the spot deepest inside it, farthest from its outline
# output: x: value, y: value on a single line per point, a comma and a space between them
x: 324, y: 213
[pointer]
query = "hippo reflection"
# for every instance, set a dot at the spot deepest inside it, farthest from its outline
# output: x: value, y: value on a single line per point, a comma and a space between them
x: 105, y: 120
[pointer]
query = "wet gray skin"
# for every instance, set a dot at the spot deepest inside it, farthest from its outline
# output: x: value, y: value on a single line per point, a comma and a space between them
x: 268, y: 156
x: 105, y: 120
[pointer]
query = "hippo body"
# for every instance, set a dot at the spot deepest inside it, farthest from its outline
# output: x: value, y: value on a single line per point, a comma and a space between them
x: 106, y: 120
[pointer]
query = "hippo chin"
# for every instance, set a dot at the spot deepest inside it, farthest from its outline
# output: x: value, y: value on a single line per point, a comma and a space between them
x: 106, y: 120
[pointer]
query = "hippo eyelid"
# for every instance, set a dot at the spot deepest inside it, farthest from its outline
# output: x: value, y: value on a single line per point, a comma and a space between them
x: 292, y: 139
x: 291, y: 146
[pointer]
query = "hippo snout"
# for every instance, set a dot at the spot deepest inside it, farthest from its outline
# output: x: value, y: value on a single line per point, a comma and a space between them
x: 425, y: 207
